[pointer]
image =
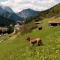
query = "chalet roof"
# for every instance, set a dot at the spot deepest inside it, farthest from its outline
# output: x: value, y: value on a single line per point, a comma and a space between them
x: 38, y: 22
x: 54, y: 22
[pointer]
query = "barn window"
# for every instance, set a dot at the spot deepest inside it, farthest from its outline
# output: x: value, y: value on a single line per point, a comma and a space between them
x: 54, y: 24
x: 40, y: 28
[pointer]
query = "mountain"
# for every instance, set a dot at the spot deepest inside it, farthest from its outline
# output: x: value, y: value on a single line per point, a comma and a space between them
x: 9, y: 13
x: 15, y: 17
x: 28, y: 13
x: 6, y: 8
x: 5, y: 11
x: 53, y: 11
x: 8, y: 16
x: 5, y: 22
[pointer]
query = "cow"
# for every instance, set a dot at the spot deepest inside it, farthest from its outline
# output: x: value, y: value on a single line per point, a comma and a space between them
x: 34, y: 41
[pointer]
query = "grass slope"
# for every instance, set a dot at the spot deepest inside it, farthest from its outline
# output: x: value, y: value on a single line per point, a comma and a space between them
x: 16, y: 47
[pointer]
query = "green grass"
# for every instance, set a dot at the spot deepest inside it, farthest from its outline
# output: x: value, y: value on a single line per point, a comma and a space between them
x: 17, y: 48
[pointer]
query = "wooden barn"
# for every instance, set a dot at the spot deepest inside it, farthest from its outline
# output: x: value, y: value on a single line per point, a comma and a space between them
x: 39, y: 25
x: 54, y: 23
x: 36, y: 20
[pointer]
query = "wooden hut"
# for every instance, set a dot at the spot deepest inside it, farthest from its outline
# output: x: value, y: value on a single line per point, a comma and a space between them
x: 54, y: 23
x: 39, y: 25
x: 3, y: 30
x: 36, y: 20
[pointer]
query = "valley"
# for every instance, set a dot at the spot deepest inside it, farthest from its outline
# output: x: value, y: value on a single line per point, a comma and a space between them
x: 16, y: 46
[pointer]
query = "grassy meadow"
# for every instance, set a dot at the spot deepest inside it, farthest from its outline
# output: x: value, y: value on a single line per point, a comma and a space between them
x: 15, y: 47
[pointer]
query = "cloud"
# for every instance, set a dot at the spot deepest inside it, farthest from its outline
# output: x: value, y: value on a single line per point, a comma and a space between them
x: 57, y: 1
x: 18, y: 5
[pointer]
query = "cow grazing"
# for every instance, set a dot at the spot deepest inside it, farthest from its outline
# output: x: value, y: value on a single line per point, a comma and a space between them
x: 34, y: 41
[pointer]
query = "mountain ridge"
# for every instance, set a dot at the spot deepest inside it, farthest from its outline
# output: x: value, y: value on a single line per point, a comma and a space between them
x: 27, y: 14
x: 53, y: 11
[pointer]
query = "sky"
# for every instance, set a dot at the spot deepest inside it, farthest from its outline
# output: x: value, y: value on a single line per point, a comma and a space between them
x: 19, y: 5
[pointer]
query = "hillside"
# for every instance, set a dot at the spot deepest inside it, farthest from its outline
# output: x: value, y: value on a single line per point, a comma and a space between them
x: 29, y: 14
x: 53, y: 11
x: 15, y: 47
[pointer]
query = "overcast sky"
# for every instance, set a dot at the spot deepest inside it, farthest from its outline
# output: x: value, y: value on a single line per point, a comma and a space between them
x: 18, y: 5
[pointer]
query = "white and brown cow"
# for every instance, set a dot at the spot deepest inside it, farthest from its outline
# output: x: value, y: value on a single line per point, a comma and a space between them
x: 34, y: 41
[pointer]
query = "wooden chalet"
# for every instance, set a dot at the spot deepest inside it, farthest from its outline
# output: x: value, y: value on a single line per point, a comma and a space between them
x: 54, y: 23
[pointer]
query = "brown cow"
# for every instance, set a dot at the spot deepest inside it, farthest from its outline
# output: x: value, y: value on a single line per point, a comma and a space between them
x: 37, y: 41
